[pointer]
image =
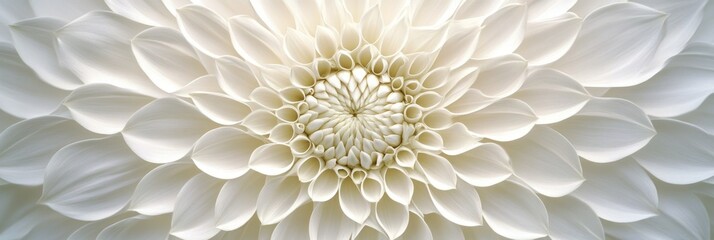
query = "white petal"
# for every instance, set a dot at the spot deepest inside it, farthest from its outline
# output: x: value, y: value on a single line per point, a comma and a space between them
x: 514, y: 211
x: 553, y: 95
x: 417, y: 229
x: 615, y: 46
x: 325, y: 186
x: 235, y: 77
x: 457, y: 49
x: 260, y: 121
x: 275, y: 14
x: 92, y: 229
x: 225, y: 152
x: 705, y: 33
x: 206, y: 84
x: 139, y: 227
x: 442, y: 228
x: 437, y: 170
x: 253, y: 42
x: 683, y: 84
x: 502, y: 76
x: 547, y: 40
x: 205, y: 30
x: 78, y: 43
x: 156, y: 193
x: 702, y: 116
x: 392, y: 216
x: 165, y: 130
x: 502, y: 32
x: 461, y: 205
x: 299, y: 46
x: 167, y: 58
x: 548, y: 8
x: 151, y: 12
x: 237, y: 201
x: 271, y: 159
x: 325, y: 42
x: 328, y: 222
x: 220, y: 108
x: 682, y: 216
x: 470, y: 101
x: 607, y: 130
x: 23, y: 93
x: 193, y: 215
x: 679, y: 154
x: 398, y: 185
x: 371, y: 25
x: 104, y: 108
x: 482, y: 166
x: 6, y: 120
x: 92, y: 179
x: 352, y: 203
x: 395, y: 37
x: 546, y: 161
x: 280, y: 197
x: 295, y: 226
x: 35, y: 42
x: 27, y: 146
x: 67, y: 10
x: 619, y: 191
x: 457, y: 139
x: 571, y: 219
x: 584, y: 8
x: 431, y: 13
x: 505, y: 120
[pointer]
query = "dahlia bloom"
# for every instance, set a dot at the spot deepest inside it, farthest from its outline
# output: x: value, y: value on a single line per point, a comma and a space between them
x: 425, y: 119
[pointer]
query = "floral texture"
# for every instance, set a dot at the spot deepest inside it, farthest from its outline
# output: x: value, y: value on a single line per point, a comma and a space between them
x: 350, y: 119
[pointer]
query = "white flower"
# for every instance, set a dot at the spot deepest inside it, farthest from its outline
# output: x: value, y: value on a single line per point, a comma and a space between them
x: 272, y: 119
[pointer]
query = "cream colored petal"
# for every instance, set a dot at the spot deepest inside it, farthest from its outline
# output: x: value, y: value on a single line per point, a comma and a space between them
x: 271, y: 159
x: 398, y: 185
x: 27, y: 146
x: 505, y: 120
x: 502, y: 76
x: 165, y: 130
x: 279, y: 198
x: 205, y: 30
x: 295, y: 226
x: 472, y: 100
x: 138, y: 227
x: 392, y: 216
x: 299, y: 46
x: 417, y: 229
x: 548, y: 8
x: 395, y: 37
x: 457, y: 139
x: 353, y: 205
x: 430, y: 13
x: 325, y: 186
x: 502, y: 32
x: 35, y: 42
x: 193, y: 216
x: 437, y: 170
x: 552, y: 95
x: 619, y: 191
x: 158, y: 190
x: 206, y: 84
x: 307, y: 14
x: 103, y: 108
x: 326, y: 42
x: 372, y: 25
x: 679, y: 154
x: 461, y: 205
x: 546, y: 161
x: 225, y: 152
x: 220, y: 108
x: 68, y: 10
x: 260, y: 121
x: 237, y: 201
x: 547, y: 40
x: 328, y: 222
x: 253, y: 42
x: 482, y: 166
x: 80, y: 188
x: 275, y: 14
x: 166, y: 58
x: 457, y: 49
x: 514, y: 211
x: 151, y: 12
x: 701, y: 117
x: 570, y: 218
x: 235, y: 77
x: 442, y: 228
x: 607, y: 129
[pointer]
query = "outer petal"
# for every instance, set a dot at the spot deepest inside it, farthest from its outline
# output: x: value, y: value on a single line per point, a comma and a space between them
x: 295, y: 226
x: 26, y: 147
x: 157, y: 192
x: 442, y: 228
x: 505, y: 120
x: 92, y: 179
x: 78, y: 43
x: 225, y: 152
x: 392, y: 216
x: 139, y: 227
x: 253, y: 42
x: 682, y: 216
x: 237, y: 201
x: 501, y: 76
x: 702, y: 116
x: 570, y: 218
x: 352, y: 203
x: 205, y: 30
x: 271, y: 159
x: 547, y: 40
x: 220, y: 108
x: 502, y: 32
x: 552, y: 95
x: 280, y: 197
x: 461, y: 205
x: 167, y: 58
x: 615, y: 46
x: 417, y: 229
x: 150, y: 12
x: 437, y: 170
x: 482, y: 166
x: 328, y: 222
x: 35, y: 42
x: 619, y: 191
x: 679, y: 154
x: 514, y: 211
x: 193, y: 215
x: 607, y: 130
x: 546, y: 161
x: 683, y: 84
x: 275, y: 14
x: 68, y: 10
x: 235, y: 77
x: 165, y: 130
x: 104, y: 108
x: 23, y: 93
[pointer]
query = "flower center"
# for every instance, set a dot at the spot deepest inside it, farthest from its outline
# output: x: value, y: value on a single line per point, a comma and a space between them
x: 356, y: 119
